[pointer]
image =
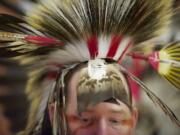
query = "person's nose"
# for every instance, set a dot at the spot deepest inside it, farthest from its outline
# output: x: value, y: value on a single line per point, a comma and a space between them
x: 102, y: 128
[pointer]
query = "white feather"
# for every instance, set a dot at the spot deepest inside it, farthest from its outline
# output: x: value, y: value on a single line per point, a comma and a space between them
x: 124, y: 43
x: 103, y: 46
x: 72, y: 53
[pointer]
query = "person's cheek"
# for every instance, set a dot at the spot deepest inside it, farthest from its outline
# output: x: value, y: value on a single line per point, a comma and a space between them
x: 121, y: 129
x: 73, y: 123
x: 84, y: 131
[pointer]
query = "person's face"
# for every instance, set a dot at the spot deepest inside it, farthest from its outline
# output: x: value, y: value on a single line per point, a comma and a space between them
x: 104, y: 118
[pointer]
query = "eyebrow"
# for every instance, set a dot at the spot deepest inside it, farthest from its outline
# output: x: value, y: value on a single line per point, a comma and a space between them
x: 117, y: 111
x: 126, y: 115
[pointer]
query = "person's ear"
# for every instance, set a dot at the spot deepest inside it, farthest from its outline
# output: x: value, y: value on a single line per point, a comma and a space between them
x: 134, y: 117
x: 51, y: 108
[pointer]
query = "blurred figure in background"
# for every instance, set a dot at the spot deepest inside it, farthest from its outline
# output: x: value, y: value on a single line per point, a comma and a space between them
x: 14, y: 104
x: 5, y: 125
x: 16, y: 7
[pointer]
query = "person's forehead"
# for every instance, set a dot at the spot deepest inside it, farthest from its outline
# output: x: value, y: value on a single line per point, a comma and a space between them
x: 109, y: 108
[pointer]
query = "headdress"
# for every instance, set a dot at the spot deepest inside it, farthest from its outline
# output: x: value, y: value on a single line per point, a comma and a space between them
x: 60, y: 35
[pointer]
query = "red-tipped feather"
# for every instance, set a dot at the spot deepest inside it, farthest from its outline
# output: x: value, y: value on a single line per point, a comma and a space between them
x: 42, y: 41
x: 93, y: 46
x: 115, y: 42
x: 154, y: 60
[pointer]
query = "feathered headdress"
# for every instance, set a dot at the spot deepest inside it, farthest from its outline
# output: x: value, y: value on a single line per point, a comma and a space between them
x: 59, y: 34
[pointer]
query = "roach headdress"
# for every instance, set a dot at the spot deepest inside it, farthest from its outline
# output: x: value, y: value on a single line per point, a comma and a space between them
x: 60, y: 35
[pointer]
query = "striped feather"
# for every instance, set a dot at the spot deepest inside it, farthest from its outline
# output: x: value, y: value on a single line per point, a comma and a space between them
x: 172, y: 61
x: 17, y: 39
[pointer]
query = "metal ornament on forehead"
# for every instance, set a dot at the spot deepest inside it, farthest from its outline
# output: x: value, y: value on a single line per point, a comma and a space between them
x: 97, y: 69
x: 101, y: 81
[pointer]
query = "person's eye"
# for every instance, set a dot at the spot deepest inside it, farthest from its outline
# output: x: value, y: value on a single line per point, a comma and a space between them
x: 86, y: 120
x: 114, y: 121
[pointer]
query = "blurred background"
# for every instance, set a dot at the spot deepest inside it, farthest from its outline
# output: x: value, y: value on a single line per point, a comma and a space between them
x: 14, y: 103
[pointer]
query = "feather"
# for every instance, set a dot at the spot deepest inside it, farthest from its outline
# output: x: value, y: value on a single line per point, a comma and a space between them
x: 167, y: 63
x: 17, y: 38
x: 76, y: 22
x: 12, y: 24
x: 38, y: 98
x: 147, y: 48
x: 154, y: 98
x: 77, y: 19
